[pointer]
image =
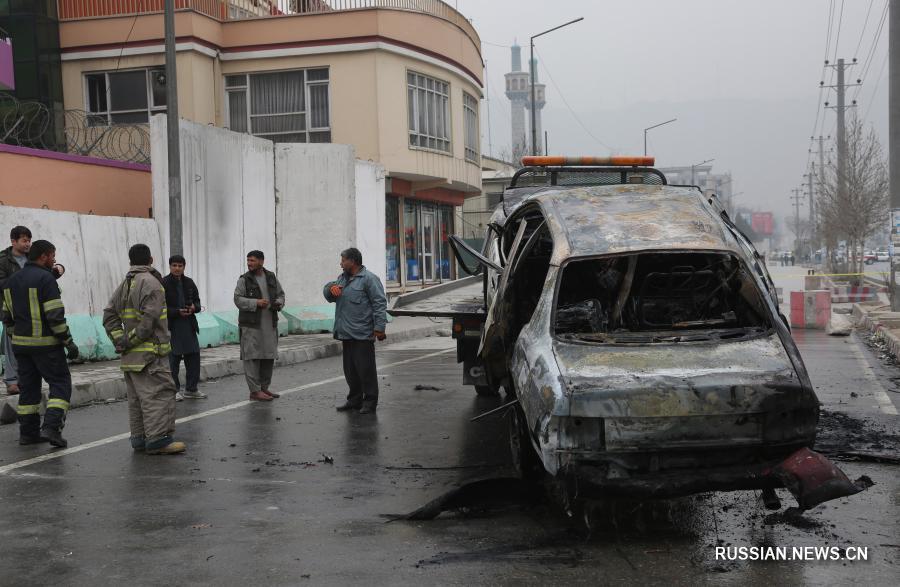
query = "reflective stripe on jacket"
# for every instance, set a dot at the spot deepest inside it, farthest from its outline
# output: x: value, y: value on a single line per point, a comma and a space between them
x: 33, y: 311
x: 137, y: 311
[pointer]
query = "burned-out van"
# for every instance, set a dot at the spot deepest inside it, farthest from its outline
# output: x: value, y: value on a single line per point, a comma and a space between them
x: 636, y: 326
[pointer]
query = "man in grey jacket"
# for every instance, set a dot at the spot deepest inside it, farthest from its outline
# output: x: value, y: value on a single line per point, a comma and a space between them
x: 360, y: 316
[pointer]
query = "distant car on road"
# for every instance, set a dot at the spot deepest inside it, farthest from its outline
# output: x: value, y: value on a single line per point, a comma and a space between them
x: 869, y: 257
x: 882, y: 256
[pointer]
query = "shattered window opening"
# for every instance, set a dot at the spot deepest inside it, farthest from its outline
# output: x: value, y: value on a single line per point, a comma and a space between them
x: 659, y: 297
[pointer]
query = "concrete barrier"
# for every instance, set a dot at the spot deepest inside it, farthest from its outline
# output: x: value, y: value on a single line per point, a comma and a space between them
x: 853, y: 294
x: 810, y: 309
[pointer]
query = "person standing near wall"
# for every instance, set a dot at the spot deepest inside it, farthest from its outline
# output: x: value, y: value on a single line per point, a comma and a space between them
x: 136, y: 322
x: 12, y: 259
x: 259, y: 297
x: 360, y: 316
x: 183, y: 303
x: 34, y: 316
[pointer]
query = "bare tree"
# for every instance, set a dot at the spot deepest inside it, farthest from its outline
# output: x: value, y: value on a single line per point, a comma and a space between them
x: 853, y: 207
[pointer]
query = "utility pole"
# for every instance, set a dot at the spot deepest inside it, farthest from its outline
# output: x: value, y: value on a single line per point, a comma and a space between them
x: 797, y: 198
x: 894, y: 141
x: 812, y: 213
x: 176, y: 241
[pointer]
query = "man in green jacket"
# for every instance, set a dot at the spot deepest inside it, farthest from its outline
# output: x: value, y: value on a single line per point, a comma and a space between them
x: 360, y: 316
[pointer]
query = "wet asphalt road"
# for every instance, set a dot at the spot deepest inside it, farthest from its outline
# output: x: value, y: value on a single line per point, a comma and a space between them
x: 251, y: 502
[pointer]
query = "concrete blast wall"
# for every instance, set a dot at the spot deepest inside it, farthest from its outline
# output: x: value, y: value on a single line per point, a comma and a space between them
x: 228, y: 204
x: 299, y: 203
x: 327, y: 201
x: 94, y: 250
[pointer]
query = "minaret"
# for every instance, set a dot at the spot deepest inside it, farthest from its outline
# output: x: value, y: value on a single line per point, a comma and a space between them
x: 518, y: 91
x: 540, y: 102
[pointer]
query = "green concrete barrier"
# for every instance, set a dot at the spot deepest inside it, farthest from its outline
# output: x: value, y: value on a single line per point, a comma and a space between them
x: 210, y: 334
x: 309, y: 319
x: 216, y: 329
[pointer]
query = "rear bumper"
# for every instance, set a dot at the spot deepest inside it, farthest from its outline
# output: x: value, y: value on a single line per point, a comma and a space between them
x: 608, y: 478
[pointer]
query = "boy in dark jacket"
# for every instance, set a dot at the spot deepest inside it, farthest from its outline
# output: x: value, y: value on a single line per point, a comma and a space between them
x: 183, y: 303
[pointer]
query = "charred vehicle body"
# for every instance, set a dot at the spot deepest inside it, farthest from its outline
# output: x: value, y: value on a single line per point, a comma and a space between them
x: 637, y: 327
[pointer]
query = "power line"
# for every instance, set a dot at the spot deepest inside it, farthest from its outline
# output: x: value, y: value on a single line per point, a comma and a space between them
x: 877, y: 83
x: 870, y: 54
x: 863, y: 32
x: 566, y: 102
x: 837, y: 38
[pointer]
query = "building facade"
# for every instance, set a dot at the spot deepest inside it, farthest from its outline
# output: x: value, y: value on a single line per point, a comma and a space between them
x: 401, y: 81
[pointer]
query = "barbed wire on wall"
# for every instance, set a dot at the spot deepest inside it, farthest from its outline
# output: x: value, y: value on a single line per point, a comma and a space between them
x: 23, y: 123
x: 86, y: 135
x: 28, y: 124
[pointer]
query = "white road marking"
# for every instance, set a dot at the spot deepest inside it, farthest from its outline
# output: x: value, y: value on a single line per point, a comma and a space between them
x: 103, y: 441
x: 882, y: 400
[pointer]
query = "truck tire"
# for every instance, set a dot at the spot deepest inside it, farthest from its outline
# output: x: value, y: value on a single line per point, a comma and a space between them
x: 524, y: 460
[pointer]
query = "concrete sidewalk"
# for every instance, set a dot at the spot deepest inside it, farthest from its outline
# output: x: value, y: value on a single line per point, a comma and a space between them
x: 103, y: 381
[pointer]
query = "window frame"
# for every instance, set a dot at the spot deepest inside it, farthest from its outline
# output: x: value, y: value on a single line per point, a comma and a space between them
x: 245, y: 87
x: 412, y: 108
x: 471, y: 154
x: 94, y: 118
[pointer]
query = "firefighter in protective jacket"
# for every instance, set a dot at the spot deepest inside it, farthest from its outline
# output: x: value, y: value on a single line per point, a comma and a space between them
x: 136, y: 322
x: 33, y: 312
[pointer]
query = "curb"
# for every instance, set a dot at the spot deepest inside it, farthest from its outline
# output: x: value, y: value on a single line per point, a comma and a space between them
x: 106, y: 383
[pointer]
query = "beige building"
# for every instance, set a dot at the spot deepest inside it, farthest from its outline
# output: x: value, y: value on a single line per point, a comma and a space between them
x: 400, y: 80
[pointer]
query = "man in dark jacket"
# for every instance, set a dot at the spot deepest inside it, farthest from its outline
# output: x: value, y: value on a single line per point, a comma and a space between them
x: 12, y: 259
x: 35, y: 317
x: 183, y: 303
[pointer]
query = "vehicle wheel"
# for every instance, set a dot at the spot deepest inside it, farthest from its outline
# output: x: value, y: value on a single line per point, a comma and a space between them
x: 486, y: 390
x: 525, y: 461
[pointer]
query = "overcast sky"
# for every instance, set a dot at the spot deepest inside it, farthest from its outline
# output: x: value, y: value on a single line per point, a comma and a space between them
x: 741, y: 77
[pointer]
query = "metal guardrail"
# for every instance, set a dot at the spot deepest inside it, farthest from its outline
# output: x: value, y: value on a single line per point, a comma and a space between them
x: 247, y: 9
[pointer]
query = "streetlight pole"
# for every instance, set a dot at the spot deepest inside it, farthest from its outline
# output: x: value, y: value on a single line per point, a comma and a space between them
x: 695, y: 165
x: 651, y: 128
x: 176, y: 242
x: 531, y: 68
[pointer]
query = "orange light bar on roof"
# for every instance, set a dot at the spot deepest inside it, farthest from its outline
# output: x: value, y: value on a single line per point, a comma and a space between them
x: 617, y: 161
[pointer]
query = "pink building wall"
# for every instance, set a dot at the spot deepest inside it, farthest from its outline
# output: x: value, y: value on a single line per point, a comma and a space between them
x: 33, y: 178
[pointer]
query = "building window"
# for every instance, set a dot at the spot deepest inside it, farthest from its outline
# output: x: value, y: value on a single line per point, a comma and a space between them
x: 282, y: 106
x: 429, y: 112
x: 392, y: 237
x: 125, y: 97
x: 470, y: 118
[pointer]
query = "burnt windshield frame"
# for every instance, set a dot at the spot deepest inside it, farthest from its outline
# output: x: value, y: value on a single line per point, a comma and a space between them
x: 767, y: 330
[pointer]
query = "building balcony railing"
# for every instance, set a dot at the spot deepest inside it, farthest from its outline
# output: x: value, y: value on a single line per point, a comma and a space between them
x: 225, y: 10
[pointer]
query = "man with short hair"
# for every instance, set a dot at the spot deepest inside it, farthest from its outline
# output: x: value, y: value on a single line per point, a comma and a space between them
x: 183, y: 302
x: 259, y: 297
x: 136, y: 322
x: 12, y: 259
x: 35, y: 318
x: 360, y: 316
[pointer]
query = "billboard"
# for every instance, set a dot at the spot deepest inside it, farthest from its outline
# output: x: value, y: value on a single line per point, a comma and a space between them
x: 763, y: 223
